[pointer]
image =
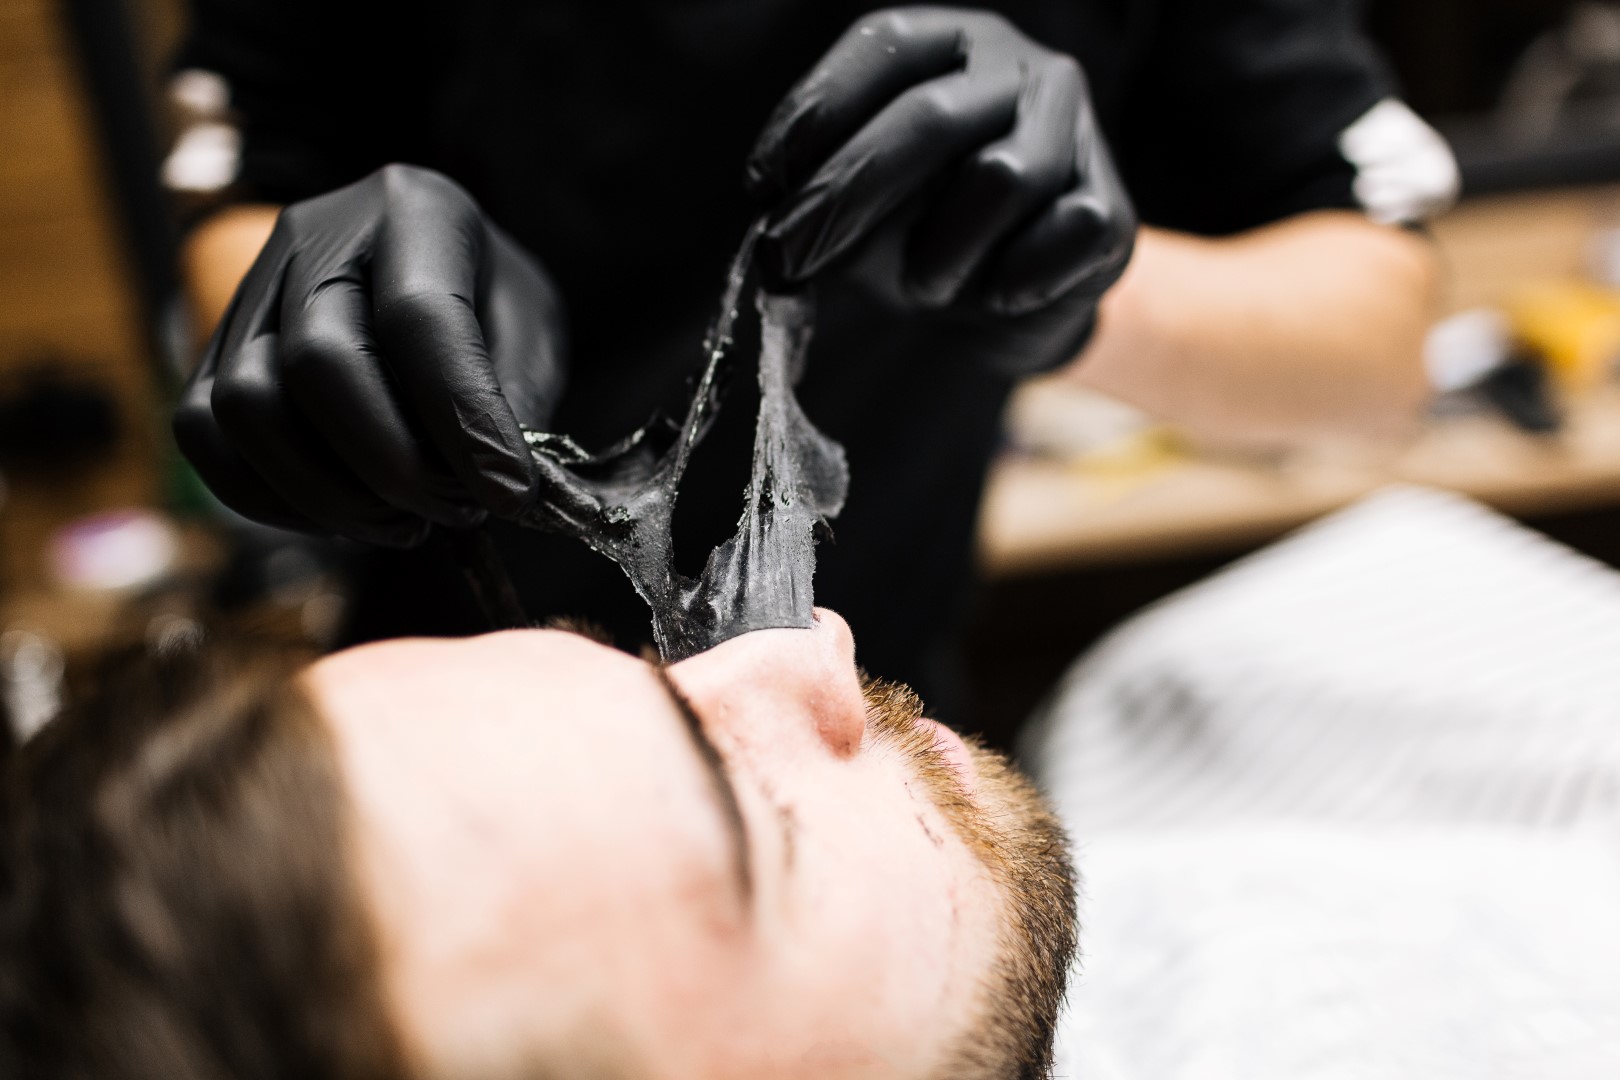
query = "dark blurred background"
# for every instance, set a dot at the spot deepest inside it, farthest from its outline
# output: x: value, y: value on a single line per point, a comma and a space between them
x: 1525, y: 88
x: 105, y: 537
x: 1455, y: 56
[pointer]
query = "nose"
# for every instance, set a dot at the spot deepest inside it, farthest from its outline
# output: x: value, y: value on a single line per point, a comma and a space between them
x: 803, y: 680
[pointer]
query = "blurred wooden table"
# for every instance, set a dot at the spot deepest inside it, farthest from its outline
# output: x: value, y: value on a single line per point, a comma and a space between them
x: 1044, y: 515
x: 1041, y: 515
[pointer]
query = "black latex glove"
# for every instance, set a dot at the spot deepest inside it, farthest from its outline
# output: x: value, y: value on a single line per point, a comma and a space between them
x: 370, y: 374
x: 947, y: 161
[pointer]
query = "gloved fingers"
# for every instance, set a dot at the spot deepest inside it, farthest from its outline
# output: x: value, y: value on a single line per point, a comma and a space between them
x: 251, y: 313
x: 903, y: 149
x: 1000, y: 187
x: 256, y: 419
x: 335, y: 379
x: 230, y: 478
x: 1079, y: 245
x: 526, y: 331
x: 876, y: 59
x: 424, y: 285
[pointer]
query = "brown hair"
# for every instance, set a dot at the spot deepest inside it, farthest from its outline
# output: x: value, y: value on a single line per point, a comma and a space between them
x: 173, y: 898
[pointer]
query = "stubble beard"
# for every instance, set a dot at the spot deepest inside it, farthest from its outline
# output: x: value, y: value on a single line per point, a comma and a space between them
x: 1007, y: 824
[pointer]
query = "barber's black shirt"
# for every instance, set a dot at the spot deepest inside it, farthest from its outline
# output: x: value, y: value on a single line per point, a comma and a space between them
x: 609, y: 137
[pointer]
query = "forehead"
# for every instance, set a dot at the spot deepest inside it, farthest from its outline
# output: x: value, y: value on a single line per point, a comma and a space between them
x: 571, y: 726
x: 549, y: 663
x: 505, y: 786
x: 514, y: 699
x: 540, y: 742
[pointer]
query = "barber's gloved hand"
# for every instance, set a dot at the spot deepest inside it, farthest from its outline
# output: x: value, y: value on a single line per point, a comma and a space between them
x: 369, y: 377
x: 947, y: 161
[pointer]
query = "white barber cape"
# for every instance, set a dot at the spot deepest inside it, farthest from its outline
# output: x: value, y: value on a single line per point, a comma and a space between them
x: 1351, y: 809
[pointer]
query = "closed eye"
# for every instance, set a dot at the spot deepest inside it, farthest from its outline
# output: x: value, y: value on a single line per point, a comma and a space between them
x: 720, y: 780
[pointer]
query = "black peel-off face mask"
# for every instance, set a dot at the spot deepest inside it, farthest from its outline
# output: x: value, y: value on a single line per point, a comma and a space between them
x: 621, y: 501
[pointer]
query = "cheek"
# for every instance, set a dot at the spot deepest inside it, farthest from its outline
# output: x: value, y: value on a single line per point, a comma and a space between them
x: 881, y: 881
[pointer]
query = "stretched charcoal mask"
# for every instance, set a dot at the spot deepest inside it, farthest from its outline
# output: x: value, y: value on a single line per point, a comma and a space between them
x: 621, y: 501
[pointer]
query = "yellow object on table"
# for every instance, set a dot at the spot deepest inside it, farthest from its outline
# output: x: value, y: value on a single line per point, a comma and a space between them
x: 1574, y: 325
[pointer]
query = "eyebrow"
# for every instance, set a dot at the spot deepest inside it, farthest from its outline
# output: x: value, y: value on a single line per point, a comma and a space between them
x: 720, y: 780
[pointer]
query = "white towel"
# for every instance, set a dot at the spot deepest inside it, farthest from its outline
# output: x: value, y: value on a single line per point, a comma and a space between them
x: 1351, y: 808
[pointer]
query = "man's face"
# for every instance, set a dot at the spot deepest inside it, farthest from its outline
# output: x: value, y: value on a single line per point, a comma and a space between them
x: 732, y: 867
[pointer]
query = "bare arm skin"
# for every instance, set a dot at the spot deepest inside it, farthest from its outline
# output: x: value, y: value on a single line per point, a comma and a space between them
x: 1308, y: 328
x: 216, y: 257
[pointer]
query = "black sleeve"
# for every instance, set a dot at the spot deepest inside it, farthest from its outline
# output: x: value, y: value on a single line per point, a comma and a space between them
x: 1236, y: 107
x: 322, y: 91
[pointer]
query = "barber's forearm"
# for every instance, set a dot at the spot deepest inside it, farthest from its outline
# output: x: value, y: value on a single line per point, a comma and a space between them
x: 1310, y: 327
x: 217, y: 255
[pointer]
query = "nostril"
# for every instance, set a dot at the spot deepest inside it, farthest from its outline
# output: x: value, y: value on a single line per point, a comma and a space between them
x: 782, y: 680
x: 839, y: 709
x: 842, y: 729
